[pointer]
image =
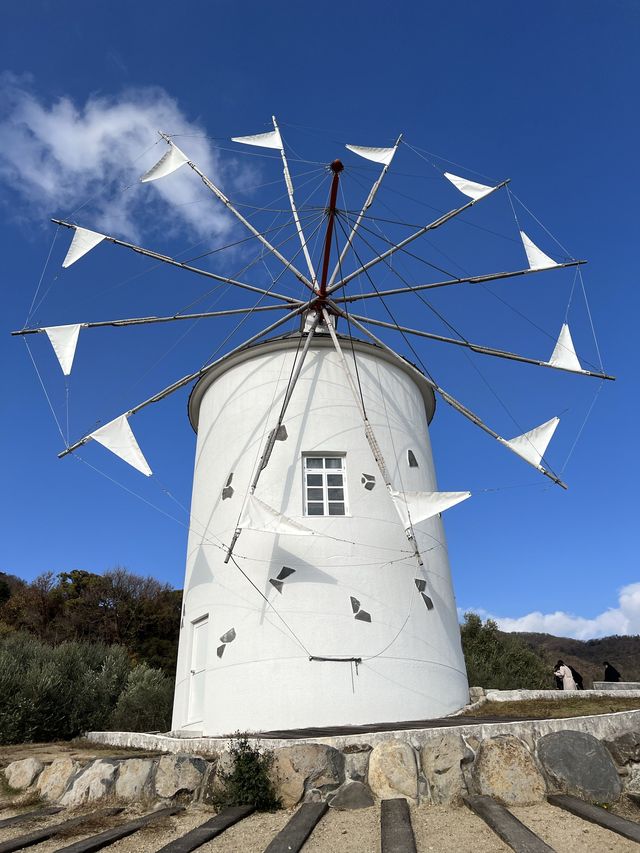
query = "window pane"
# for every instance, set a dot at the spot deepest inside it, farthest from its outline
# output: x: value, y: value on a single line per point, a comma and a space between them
x: 314, y: 479
x: 313, y: 462
x: 413, y: 462
x: 336, y: 509
x: 334, y: 480
x: 314, y: 495
x: 333, y: 462
x: 334, y: 494
x: 315, y: 509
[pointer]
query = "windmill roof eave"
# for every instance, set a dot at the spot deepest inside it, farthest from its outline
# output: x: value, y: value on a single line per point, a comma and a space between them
x: 290, y: 341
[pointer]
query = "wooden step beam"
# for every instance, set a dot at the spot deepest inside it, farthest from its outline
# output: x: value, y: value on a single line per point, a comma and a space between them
x: 594, y: 814
x: 292, y: 838
x: 505, y: 825
x: 49, y: 831
x: 110, y: 836
x: 206, y: 831
x: 26, y: 816
x: 396, y: 832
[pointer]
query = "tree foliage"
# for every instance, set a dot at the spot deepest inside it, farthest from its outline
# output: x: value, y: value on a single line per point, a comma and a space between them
x: 58, y: 692
x: 116, y: 608
x: 501, y: 661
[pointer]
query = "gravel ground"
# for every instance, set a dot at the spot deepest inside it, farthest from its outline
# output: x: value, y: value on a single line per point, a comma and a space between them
x: 450, y: 830
x: 567, y: 833
x: 446, y: 830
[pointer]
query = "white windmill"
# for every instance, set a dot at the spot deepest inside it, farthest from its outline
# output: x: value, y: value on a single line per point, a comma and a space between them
x: 317, y: 588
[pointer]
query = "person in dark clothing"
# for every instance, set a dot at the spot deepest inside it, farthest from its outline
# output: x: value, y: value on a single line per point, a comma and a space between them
x: 610, y: 672
x: 558, y: 678
x: 577, y: 678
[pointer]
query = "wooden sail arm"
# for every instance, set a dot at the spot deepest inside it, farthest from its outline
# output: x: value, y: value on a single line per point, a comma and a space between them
x: 230, y: 207
x: 441, y: 220
x: 292, y: 202
x: 185, y: 380
x: 473, y: 279
x: 368, y: 202
x: 165, y: 259
x: 140, y: 321
x: 448, y: 398
x: 482, y: 350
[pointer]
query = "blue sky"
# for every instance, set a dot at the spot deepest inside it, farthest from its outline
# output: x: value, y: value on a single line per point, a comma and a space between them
x: 544, y: 95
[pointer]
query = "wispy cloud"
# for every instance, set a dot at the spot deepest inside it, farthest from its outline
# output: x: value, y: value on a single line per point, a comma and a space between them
x: 57, y: 157
x: 623, y: 619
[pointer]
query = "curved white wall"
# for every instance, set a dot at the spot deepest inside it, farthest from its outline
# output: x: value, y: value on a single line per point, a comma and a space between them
x: 412, y: 664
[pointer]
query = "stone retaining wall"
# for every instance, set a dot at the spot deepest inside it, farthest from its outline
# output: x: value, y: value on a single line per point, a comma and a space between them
x: 519, y: 763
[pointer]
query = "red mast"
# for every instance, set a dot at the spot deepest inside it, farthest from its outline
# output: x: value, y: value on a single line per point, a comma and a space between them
x: 336, y: 167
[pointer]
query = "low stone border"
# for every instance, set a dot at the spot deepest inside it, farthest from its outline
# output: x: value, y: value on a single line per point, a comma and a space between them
x: 601, y: 726
x: 526, y: 695
x: 518, y: 763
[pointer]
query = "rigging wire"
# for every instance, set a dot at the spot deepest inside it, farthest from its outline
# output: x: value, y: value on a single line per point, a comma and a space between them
x: 55, y: 417
x: 584, y: 423
x: 472, y: 362
x: 417, y: 150
x: 42, y: 274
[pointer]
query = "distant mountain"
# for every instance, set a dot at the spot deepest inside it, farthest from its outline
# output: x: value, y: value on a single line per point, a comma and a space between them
x: 623, y: 652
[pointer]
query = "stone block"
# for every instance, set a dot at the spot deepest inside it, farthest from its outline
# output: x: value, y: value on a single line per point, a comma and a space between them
x: 309, y: 765
x: 53, y: 781
x: 22, y: 774
x: 625, y: 749
x: 506, y: 770
x: 134, y: 780
x: 356, y: 765
x: 476, y: 694
x: 441, y: 763
x: 577, y: 763
x: 352, y: 795
x: 95, y: 782
x: 178, y: 774
x: 393, y: 771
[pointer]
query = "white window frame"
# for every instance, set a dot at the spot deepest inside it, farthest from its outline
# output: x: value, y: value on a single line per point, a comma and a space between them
x: 324, y: 472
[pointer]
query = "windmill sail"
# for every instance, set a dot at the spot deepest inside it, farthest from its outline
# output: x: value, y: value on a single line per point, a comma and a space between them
x: 469, y: 188
x: 377, y: 155
x: 117, y: 437
x: 64, y: 340
x: 536, y: 257
x: 172, y: 160
x: 272, y: 139
x: 532, y: 445
x: 257, y: 515
x: 83, y: 241
x: 564, y: 353
x: 414, y: 507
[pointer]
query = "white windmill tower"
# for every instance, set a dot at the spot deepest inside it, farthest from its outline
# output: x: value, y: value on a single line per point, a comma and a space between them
x: 317, y: 589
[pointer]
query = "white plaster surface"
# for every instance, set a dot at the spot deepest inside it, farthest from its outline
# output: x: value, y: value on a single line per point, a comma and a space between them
x: 412, y: 665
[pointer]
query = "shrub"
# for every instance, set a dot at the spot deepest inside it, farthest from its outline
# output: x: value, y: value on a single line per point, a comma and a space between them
x: 58, y: 692
x: 249, y: 782
x: 499, y: 660
x: 145, y: 703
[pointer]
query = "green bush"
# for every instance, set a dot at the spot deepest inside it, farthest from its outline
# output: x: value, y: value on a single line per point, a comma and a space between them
x: 499, y: 660
x: 58, y: 692
x: 145, y: 703
x: 249, y: 782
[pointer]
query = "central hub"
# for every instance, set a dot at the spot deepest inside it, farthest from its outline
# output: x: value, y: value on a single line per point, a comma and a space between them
x: 337, y: 166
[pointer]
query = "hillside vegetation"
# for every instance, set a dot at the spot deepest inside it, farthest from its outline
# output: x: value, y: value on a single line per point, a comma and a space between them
x: 83, y: 651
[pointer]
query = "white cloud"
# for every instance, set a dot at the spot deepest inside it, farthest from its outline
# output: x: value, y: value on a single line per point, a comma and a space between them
x: 623, y: 619
x: 56, y: 157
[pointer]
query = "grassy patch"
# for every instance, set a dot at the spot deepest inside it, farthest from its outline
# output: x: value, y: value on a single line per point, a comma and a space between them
x: 544, y: 709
